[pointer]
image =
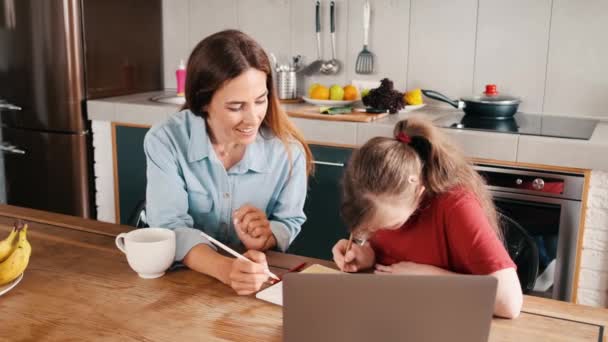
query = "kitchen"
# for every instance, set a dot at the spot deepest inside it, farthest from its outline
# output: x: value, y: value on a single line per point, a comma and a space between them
x: 455, y: 47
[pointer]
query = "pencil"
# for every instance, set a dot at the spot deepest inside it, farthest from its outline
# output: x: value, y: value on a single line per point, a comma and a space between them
x: 349, y: 244
x: 235, y: 254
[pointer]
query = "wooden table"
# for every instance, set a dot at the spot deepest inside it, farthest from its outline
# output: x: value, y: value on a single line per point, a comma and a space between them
x: 78, y: 286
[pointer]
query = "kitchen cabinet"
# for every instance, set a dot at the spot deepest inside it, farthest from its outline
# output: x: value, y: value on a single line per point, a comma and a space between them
x: 323, y: 226
x: 130, y: 168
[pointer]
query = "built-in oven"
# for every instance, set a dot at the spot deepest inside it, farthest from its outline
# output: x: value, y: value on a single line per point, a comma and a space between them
x: 548, y: 206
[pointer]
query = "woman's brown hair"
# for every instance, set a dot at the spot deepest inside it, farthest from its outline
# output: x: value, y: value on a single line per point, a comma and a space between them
x: 385, y: 166
x: 223, y: 56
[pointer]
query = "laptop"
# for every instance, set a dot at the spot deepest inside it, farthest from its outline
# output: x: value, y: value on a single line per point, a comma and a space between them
x: 368, y: 307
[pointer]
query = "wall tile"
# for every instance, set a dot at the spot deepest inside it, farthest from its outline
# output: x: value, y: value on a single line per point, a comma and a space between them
x: 268, y: 21
x: 175, y: 38
x: 210, y: 16
x: 512, y: 42
x: 442, y: 46
x: 577, y: 71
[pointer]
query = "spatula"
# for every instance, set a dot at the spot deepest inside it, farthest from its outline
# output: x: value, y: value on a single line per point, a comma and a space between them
x: 365, y: 59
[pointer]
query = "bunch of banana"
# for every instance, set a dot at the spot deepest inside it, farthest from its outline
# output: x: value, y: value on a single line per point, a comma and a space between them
x: 15, y: 253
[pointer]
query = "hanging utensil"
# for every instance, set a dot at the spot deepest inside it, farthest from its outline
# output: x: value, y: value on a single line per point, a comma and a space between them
x: 295, y: 63
x: 274, y: 62
x: 365, y: 59
x: 333, y: 65
x: 490, y: 105
x: 315, y: 66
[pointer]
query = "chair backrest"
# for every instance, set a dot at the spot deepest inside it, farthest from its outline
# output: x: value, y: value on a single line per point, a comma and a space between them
x: 522, y: 249
x: 138, y: 217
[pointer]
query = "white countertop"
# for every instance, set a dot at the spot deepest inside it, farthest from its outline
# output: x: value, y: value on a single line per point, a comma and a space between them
x: 138, y: 109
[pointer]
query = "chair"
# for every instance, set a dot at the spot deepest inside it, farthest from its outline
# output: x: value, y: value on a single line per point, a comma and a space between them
x: 522, y: 249
x: 138, y: 217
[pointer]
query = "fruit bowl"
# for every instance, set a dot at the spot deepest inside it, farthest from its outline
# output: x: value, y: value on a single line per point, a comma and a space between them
x: 331, y: 103
x: 7, y: 287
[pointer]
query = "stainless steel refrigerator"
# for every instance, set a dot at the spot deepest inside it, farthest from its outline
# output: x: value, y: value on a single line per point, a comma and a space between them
x: 54, y: 54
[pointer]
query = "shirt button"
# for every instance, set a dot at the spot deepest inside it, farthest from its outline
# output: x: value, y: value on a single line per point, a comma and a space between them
x: 226, y: 195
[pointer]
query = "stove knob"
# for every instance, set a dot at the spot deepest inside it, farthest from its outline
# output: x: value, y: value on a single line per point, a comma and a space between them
x: 519, y: 181
x: 538, y: 184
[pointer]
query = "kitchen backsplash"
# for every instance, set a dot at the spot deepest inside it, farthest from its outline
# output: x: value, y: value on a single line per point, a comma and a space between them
x: 551, y: 53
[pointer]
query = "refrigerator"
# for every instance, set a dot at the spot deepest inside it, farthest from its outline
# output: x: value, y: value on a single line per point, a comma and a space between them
x: 54, y: 55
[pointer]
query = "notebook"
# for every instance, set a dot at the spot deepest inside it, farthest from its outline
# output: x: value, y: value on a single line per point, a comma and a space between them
x: 274, y: 294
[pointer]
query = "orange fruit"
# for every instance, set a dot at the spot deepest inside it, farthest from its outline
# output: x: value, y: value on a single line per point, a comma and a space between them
x: 351, y: 92
x: 311, y: 88
x: 320, y: 93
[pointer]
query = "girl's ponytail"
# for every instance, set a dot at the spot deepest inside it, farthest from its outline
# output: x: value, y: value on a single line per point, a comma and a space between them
x: 444, y: 167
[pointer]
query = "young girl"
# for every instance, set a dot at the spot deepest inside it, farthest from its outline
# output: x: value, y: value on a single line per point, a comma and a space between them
x: 425, y: 211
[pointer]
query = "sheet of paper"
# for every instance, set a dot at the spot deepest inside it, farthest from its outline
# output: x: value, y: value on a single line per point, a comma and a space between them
x: 274, y: 294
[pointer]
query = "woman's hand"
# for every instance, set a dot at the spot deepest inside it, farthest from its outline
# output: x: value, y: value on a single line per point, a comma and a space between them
x: 356, y: 259
x: 253, y: 228
x: 247, y: 277
x: 411, y: 268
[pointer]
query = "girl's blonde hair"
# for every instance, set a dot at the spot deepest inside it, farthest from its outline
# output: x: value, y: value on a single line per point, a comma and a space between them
x: 389, y: 166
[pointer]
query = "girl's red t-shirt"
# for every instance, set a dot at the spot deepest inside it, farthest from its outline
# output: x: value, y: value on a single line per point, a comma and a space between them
x: 449, y: 231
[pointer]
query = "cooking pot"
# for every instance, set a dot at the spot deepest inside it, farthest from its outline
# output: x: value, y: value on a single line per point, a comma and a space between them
x: 489, y: 105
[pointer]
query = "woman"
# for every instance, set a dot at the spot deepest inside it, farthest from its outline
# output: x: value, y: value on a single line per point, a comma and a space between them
x: 230, y: 164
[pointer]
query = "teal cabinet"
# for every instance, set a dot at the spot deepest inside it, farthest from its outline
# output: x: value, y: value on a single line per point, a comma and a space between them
x: 323, y: 226
x: 131, y: 169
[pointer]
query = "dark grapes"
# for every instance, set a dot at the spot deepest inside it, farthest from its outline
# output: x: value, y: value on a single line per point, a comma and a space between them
x: 385, y: 97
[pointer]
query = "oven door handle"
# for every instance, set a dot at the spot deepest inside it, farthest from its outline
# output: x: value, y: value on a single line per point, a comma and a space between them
x: 531, y: 198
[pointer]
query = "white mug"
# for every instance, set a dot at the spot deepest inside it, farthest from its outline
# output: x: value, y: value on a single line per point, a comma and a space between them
x: 150, y: 251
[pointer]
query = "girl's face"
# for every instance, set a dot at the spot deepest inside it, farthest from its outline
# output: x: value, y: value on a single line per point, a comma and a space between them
x: 391, y: 212
x: 238, y: 108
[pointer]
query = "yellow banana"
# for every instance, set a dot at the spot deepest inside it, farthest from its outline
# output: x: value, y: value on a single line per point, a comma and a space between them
x: 8, y: 245
x: 16, y: 263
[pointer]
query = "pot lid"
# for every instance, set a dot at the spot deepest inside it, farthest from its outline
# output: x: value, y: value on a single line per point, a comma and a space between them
x: 491, y: 96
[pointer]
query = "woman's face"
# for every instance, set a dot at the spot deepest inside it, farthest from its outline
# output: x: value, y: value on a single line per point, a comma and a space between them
x: 238, y: 108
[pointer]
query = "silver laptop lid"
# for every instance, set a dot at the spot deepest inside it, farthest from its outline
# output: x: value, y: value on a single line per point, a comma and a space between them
x: 367, y: 307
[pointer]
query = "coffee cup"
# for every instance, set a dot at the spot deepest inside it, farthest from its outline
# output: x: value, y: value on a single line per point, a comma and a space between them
x: 150, y: 251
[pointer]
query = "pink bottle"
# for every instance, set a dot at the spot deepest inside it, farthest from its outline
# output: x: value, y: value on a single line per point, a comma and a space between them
x: 180, y: 75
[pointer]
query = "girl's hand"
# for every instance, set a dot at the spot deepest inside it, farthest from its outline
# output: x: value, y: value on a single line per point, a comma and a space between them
x: 356, y: 259
x: 253, y: 228
x: 247, y: 277
x: 408, y: 267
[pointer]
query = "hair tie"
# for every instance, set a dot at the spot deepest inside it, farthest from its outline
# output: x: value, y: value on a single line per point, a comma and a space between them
x: 404, y: 138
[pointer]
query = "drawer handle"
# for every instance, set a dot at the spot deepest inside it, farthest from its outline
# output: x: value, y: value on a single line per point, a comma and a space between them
x: 8, y: 148
x: 316, y: 162
x: 8, y: 106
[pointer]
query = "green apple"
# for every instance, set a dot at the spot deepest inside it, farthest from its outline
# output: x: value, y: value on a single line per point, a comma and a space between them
x: 336, y: 93
x: 364, y: 92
